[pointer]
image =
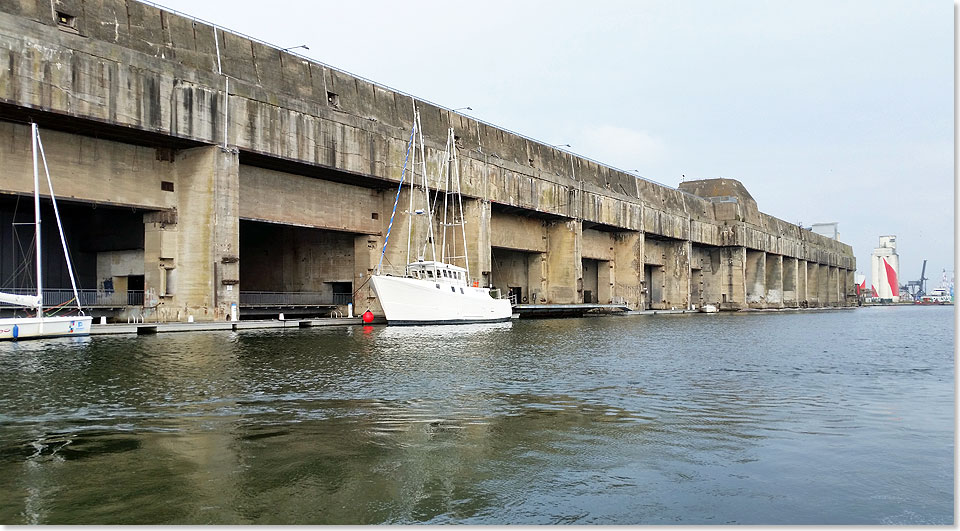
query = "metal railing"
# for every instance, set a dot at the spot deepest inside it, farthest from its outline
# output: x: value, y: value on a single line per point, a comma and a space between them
x: 89, y: 298
x: 293, y: 298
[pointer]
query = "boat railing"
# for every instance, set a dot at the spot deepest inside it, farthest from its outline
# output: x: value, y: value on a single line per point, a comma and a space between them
x: 393, y: 271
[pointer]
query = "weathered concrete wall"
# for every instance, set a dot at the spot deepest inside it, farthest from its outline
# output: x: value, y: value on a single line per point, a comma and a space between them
x: 326, y: 150
x: 285, y: 258
x: 95, y: 170
x: 280, y: 197
x: 774, y: 281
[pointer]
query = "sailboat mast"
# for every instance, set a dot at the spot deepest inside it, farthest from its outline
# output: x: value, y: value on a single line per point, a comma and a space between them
x: 56, y: 215
x: 463, y: 219
x: 413, y: 177
x: 426, y: 193
x: 36, y: 217
x: 446, y: 196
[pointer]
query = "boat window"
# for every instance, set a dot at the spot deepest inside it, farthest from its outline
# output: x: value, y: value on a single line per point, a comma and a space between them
x: 429, y: 274
x: 446, y: 274
x: 453, y: 289
x: 461, y: 291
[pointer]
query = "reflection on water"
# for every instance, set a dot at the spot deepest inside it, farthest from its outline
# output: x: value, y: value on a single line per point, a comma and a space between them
x: 595, y: 420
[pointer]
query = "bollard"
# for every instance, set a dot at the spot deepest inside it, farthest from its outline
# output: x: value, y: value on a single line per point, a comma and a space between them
x: 103, y: 319
x: 350, y: 310
x: 233, y: 312
x: 189, y: 318
x: 281, y: 317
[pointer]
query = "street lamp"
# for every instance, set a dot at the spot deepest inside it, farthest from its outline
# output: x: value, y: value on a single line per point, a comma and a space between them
x: 561, y: 145
x: 304, y: 46
x: 462, y: 109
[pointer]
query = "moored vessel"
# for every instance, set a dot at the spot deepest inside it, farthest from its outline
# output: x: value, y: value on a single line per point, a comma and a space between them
x: 436, y: 290
x: 40, y: 325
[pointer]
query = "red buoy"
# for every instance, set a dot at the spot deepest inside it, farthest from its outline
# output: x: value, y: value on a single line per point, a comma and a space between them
x: 367, y: 316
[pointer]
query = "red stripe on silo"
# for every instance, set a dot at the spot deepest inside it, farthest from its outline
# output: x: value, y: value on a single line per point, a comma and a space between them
x: 892, y: 279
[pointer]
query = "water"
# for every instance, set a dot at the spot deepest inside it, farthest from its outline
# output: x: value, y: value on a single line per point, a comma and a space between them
x: 834, y: 417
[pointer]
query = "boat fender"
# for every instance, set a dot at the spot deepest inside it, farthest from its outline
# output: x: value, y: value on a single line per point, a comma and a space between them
x: 16, y: 331
x: 367, y: 316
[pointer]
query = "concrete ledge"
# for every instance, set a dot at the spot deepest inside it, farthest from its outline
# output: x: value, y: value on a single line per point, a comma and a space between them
x: 155, y: 328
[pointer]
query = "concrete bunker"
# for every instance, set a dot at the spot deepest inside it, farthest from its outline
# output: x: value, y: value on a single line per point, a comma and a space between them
x: 298, y: 270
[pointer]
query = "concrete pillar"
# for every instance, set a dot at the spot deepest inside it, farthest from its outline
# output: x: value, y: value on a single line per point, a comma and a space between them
x: 823, y: 281
x: 366, y: 254
x: 774, y: 280
x: 537, y: 277
x: 564, y: 268
x: 803, y: 293
x: 733, y: 295
x: 833, y: 286
x: 849, y: 288
x: 755, y: 278
x: 477, y: 215
x: 605, y: 272
x: 676, y: 287
x: 202, y: 277
x: 710, y: 277
x: 790, y: 282
x: 627, y: 274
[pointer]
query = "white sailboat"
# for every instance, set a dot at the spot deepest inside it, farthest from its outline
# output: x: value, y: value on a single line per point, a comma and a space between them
x: 435, y: 290
x: 41, y: 326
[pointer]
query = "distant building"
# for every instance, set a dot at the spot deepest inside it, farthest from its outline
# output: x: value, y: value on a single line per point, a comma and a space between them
x: 885, y: 266
x: 826, y: 229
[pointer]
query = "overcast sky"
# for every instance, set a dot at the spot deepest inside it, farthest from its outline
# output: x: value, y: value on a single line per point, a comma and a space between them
x: 826, y: 110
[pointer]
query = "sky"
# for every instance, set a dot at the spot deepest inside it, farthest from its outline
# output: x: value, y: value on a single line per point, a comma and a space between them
x: 826, y: 110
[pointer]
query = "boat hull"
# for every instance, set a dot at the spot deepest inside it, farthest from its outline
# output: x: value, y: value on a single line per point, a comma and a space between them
x: 417, y: 301
x: 17, y: 328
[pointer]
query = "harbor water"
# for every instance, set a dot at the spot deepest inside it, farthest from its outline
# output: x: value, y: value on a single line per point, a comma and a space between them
x: 817, y: 417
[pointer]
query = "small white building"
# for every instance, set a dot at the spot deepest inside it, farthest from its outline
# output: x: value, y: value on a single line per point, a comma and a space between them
x: 826, y: 229
x: 885, y: 267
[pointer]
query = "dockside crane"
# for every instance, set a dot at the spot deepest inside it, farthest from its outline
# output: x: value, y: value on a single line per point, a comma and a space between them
x: 918, y: 288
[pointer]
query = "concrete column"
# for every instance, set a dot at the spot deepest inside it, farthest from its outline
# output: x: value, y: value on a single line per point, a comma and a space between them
x: 564, y: 268
x: 537, y: 278
x: 202, y: 279
x: 849, y: 288
x: 823, y: 281
x: 755, y: 278
x: 733, y: 265
x: 477, y: 216
x: 628, y: 268
x: 803, y: 293
x: 833, y: 286
x: 790, y: 282
x: 774, y: 280
x: 711, y: 277
x: 605, y: 272
x: 676, y: 287
x: 366, y: 254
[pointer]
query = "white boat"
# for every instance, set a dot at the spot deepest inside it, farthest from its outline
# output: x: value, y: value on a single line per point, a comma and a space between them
x: 436, y: 290
x: 709, y: 308
x: 40, y: 325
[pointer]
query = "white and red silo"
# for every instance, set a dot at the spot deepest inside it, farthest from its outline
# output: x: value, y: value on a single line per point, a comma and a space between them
x: 885, y: 267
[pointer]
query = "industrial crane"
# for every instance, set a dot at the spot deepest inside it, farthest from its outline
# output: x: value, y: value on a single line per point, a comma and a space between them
x: 918, y: 288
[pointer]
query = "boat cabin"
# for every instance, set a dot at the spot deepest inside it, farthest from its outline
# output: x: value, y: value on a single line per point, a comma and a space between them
x: 438, y: 272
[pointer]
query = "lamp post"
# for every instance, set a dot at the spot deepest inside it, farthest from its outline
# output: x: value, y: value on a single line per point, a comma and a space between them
x: 461, y: 109
x: 304, y: 46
